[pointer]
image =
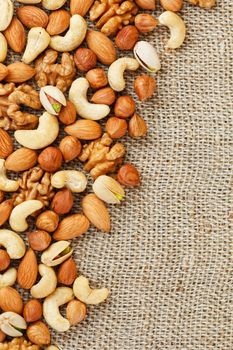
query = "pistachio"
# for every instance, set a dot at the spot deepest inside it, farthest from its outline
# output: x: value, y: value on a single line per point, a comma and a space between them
x: 52, y: 99
x: 147, y: 56
x: 12, y: 324
x: 108, y: 189
x: 57, y: 253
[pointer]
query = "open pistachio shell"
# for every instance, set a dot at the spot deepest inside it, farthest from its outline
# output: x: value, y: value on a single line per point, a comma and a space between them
x: 108, y: 189
x: 12, y: 324
x: 147, y: 56
x: 56, y: 253
x: 52, y: 99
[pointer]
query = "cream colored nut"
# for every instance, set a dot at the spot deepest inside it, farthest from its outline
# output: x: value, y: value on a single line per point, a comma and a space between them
x: 38, y: 41
x: 20, y: 213
x: 176, y: 26
x: 3, y: 48
x: 116, y: 72
x: 147, y: 56
x: 45, y: 134
x: 56, y: 253
x: 73, y: 38
x: 6, y: 14
x: 61, y: 296
x: 72, y: 179
x: 29, y: 1
x: 8, y: 278
x: 52, y: 99
x: 6, y: 185
x: 86, y: 110
x: 13, y: 244
x: 53, y: 4
x: 47, y: 283
x: 83, y: 292
x: 12, y: 324
x: 108, y: 189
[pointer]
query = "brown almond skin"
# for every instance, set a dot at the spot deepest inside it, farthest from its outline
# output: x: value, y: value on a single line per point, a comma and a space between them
x: 19, y: 72
x: 6, y: 208
x: 128, y: 175
x: 68, y: 114
x: 127, y: 37
x: 50, y: 159
x: 10, y: 300
x: 16, y: 36
x: 80, y: 7
x: 67, y: 272
x: 32, y: 16
x: 32, y: 311
x: 62, y: 202
x: 39, y: 240
x: 4, y: 260
x: 59, y: 21
x: 102, y: 46
x: 71, y: 227
x: 6, y: 144
x: 22, y: 159
x: 28, y: 270
x: 106, y: 96
x: 38, y: 333
x: 85, y: 130
x: 3, y: 71
x: 76, y: 312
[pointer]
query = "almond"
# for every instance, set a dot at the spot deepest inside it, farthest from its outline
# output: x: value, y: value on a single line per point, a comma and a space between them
x: 32, y: 311
x: 84, y: 130
x: 27, y: 271
x: 32, y: 16
x: 4, y: 260
x: 106, y: 96
x: 76, y: 312
x: 62, y: 202
x: 67, y: 272
x: 6, y: 144
x: 59, y: 21
x: 80, y: 7
x: 3, y: 71
x: 22, y: 159
x: 39, y: 240
x: 15, y: 35
x: 68, y: 114
x: 102, y: 46
x: 38, y: 333
x: 50, y: 159
x: 2, y: 196
x: 127, y: 37
x: 47, y: 221
x: 96, y: 212
x: 18, y: 72
x: 72, y: 226
x: 10, y: 300
x: 6, y: 208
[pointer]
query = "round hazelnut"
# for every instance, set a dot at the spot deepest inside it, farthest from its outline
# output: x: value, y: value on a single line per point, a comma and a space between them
x: 47, y: 221
x: 144, y: 86
x: 62, y: 202
x: 172, y: 5
x: 146, y: 4
x: 4, y: 260
x: 106, y: 96
x: 145, y: 23
x: 68, y: 114
x: 127, y: 37
x: 50, y: 159
x: 128, y: 175
x: 70, y: 148
x: 124, y: 107
x: 137, y: 126
x: 76, y: 312
x: 32, y: 310
x: 97, y: 78
x: 85, y: 59
x: 116, y: 127
x: 39, y: 240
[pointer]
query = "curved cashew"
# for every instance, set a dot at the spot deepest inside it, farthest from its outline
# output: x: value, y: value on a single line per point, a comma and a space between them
x: 83, y: 292
x: 86, y: 110
x: 56, y: 253
x: 72, y: 179
x: 73, y: 38
x: 41, y: 137
x: 12, y: 324
x: 176, y: 26
x: 61, y: 296
x: 3, y: 47
x: 6, y: 13
x: 13, y: 244
x: 116, y: 72
x: 53, y: 4
x: 8, y: 278
x: 6, y: 185
x: 46, y: 285
x: 38, y: 41
x: 19, y: 214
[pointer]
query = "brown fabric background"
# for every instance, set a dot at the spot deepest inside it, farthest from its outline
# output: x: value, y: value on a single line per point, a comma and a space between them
x: 168, y: 260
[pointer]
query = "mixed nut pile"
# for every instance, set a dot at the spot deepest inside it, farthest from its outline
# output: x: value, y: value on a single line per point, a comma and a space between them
x: 61, y: 75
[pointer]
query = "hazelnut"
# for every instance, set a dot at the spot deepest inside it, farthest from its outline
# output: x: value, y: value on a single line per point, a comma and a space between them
x: 144, y: 86
x: 76, y: 312
x: 2, y: 196
x: 85, y: 59
x: 47, y: 221
x: 172, y: 5
x: 145, y: 23
x: 68, y: 114
x: 124, y: 107
x: 116, y: 127
x: 4, y: 260
x: 70, y: 148
x: 32, y: 310
x: 128, y: 175
x: 127, y: 37
x: 67, y: 272
x: 137, y: 126
x: 39, y: 240
x: 50, y: 159
x: 146, y: 4
x: 106, y: 96
x: 97, y: 78
x: 62, y: 201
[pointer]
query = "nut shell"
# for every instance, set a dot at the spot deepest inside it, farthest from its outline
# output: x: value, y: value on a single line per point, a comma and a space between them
x: 67, y: 272
x: 50, y: 159
x: 96, y: 212
x: 32, y: 311
x: 70, y: 148
x: 85, y: 130
x: 127, y: 37
x: 38, y: 333
x: 47, y: 221
x: 22, y: 159
x: 32, y: 16
x: 39, y: 240
x: 6, y: 208
x: 124, y: 107
x: 116, y: 127
x: 15, y: 35
x: 146, y: 4
x: 76, y: 312
x: 85, y: 59
x: 102, y: 46
x: 62, y: 202
x: 128, y: 175
x: 144, y: 86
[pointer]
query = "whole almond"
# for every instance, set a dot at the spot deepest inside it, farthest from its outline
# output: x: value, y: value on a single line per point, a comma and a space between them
x: 28, y: 269
x: 22, y: 159
x: 32, y: 16
x: 18, y: 72
x: 4, y: 260
x: 3, y: 71
x: 6, y: 144
x: 80, y: 7
x: 62, y: 202
x: 32, y: 311
x: 84, y: 130
x: 106, y: 96
x: 59, y: 21
x: 68, y: 114
x: 39, y: 240
x: 67, y: 272
x: 72, y: 226
x: 6, y: 208
x: 96, y: 212
x: 15, y: 35
x: 38, y: 333
x: 76, y: 312
x: 10, y: 300
x: 102, y: 46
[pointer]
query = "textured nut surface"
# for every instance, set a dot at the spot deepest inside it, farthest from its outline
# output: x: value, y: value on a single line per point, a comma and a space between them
x: 6, y: 208
x: 106, y: 96
x: 6, y: 144
x: 76, y: 312
x: 102, y: 46
x: 32, y: 310
x: 47, y: 221
x: 28, y: 270
x: 70, y: 148
x: 137, y: 126
x: 108, y: 189
x: 116, y: 127
x: 144, y: 86
x: 19, y: 72
x: 67, y: 272
x: 172, y: 5
x: 127, y: 37
x: 146, y: 4
x: 15, y: 35
x: 68, y: 114
x: 147, y: 56
x: 22, y: 159
x: 38, y: 333
x: 62, y: 201
x: 59, y: 21
x: 97, y: 78
x: 124, y: 107
x: 145, y: 22
x: 128, y: 175
x: 85, y: 59
x: 10, y: 300
x: 50, y: 159
x: 32, y: 16
x: 4, y: 260
x: 39, y: 240
x: 80, y: 7
x: 56, y: 253
x: 3, y: 71
x: 85, y: 130
x: 72, y: 226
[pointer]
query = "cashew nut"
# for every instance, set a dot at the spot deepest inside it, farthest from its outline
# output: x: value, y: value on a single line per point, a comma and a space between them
x: 61, y: 296
x: 3, y: 47
x: 13, y: 244
x: 20, y: 213
x: 12, y: 324
x: 56, y: 253
x: 73, y: 38
x: 52, y: 347
x: 53, y: 4
x: 86, y: 110
x: 116, y: 72
x: 83, y: 292
x: 46, y: 285
x: 41, y: 137
x: 8, y: 278
x: 6, y: 185
x: 72, y: 179
x: 176, y: 26
x: 6, y: 13
x: 38, y: 41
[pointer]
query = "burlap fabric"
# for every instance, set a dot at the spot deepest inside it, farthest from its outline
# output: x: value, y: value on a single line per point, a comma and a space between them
x: 168, y: 259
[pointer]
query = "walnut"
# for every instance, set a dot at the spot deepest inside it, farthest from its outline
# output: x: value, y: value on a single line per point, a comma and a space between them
x: 49, y: 72
x: 18, y: 344
x: 207, y: 4
x: 112, y: 15
x: 34, y: 184
x: 101, y: 157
